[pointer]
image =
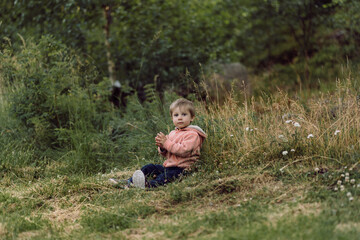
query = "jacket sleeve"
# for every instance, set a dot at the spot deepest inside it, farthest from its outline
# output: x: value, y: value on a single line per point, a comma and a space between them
x: 185, y: 147
x: 162, y: 151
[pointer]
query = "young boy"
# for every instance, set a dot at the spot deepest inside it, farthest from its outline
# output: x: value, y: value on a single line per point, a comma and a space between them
x: 181, y: 148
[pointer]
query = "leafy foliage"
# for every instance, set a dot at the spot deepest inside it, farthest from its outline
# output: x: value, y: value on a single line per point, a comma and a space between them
x: 50, y: 88
x: 288, y: 39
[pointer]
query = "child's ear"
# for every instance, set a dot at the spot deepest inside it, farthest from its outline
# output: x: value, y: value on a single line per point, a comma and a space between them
x: 192, y: 118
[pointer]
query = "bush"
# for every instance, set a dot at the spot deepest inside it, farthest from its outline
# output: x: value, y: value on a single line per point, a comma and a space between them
x: 57, y: 102
x: 49, y: 89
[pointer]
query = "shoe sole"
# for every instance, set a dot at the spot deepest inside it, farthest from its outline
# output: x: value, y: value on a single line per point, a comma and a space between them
x: 138, y: 179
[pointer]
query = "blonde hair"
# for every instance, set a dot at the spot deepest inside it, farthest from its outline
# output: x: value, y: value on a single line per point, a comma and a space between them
x: 182, y: 102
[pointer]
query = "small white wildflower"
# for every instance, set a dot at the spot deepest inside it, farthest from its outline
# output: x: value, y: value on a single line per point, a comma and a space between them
x: 231, y: 135
x: 342, y: 175
x: 310, y: 136
x: 347, y: 179
x: 352, y: 181
x: 342, y: 188
x: 345, y: 167
x: 348, y: 194
x: 255, y: 129
x: 351, y: 199
x: 339, y: 182
x: 251, y: 130
x: 317, y: 169
x: 358, y: 185
x: 296, y: 124
x: 247, y: 128
x: 285, y: 153
x: 288, y: 121
x: 347, y: 174
x: 336, y: 132
x: 283, y: 138
x: 292, y: 150
x: 336, y: 189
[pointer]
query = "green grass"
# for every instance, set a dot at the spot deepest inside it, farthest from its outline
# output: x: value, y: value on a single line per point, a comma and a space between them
x: 253, y: 204
x: 259, y: 177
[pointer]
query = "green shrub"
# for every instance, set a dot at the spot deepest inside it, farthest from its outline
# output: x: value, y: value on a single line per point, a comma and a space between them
x: 54, y: 100
x: 49, y: 88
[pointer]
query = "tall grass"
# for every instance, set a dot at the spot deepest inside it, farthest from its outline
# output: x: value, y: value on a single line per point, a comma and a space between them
x: 280, y: 130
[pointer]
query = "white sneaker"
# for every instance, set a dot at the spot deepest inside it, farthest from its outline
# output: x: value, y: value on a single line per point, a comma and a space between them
x: 138, y: 179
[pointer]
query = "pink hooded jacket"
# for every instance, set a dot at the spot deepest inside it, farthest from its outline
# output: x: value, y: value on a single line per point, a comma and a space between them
x: 182, y: 147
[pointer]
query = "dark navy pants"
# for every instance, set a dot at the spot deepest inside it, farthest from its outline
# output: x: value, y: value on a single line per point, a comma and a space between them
x: 160, y: 175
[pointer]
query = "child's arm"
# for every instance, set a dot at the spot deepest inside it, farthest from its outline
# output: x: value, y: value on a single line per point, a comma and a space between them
x: 162, y: 151
x: 185, y: 147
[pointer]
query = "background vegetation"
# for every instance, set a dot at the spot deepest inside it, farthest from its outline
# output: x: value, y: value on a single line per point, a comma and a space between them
x: 294, y: 44
x: 280, y: 164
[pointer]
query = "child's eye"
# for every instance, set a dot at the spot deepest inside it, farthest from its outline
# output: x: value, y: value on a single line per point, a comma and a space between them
x: 184, y: 114
x: 175, y: 115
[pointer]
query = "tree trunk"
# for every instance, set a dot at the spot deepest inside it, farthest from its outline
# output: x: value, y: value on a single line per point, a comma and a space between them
x: 110, y: 62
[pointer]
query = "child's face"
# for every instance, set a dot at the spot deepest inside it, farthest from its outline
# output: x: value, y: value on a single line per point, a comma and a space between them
x: 181, y: 117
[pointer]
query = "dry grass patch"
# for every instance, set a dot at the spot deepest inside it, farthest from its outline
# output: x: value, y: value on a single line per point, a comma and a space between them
x: 3, y: 230
x: 278, y: 212
x: 347, y: 227
x: 142, y: 233
x: 61, y: 215
x: 28, y: 235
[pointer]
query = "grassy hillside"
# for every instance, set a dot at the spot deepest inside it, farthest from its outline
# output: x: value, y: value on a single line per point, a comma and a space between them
x: 274, y: 168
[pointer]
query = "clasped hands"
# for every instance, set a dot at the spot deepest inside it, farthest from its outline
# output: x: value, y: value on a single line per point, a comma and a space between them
x: 160, y: 139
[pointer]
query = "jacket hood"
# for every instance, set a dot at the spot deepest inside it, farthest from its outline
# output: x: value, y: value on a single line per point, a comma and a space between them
x: 197, y: 129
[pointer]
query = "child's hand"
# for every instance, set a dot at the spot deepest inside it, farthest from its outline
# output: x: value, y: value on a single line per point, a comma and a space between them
x: 160, y: 139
